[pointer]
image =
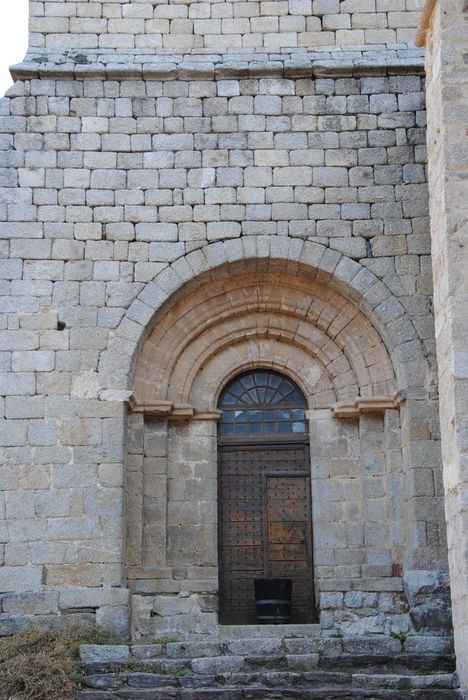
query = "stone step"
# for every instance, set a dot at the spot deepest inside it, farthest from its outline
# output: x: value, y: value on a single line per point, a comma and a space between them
x: 417, y: 663
x: 273, y: 668
x: 308, y: 679
x: 398, y: 663
x: 233, y: 693
x: 330, y: 646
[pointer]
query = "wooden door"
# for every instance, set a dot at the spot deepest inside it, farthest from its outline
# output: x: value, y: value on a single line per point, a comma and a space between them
x: 264, y: 527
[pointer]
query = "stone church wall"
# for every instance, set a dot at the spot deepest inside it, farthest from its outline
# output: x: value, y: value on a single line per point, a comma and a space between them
x: 127, y: 179
x: 116, y: 26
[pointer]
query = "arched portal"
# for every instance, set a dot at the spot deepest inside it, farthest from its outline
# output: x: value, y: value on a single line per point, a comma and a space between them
x: 349, y: 362
x: 265, y: 525
x: 225, y: 326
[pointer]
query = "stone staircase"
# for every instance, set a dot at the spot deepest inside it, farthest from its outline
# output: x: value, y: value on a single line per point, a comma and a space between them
x: 273, y: 668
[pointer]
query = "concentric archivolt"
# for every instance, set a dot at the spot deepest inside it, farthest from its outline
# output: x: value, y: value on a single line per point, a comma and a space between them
x: 285, y: 320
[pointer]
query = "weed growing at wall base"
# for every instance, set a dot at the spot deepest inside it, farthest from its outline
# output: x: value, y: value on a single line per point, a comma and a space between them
x: 43, y: 664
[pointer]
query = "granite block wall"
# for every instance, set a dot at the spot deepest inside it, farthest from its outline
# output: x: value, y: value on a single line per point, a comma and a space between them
x: 146, y: 149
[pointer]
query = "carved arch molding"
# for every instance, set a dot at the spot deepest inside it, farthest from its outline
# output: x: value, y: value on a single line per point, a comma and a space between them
x: 264, y: 315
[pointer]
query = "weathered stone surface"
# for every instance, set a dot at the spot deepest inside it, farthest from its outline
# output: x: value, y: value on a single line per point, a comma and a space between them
x: 146, y: 651
x: 195, y: 649
x: 428, y: 594
x: 396, y: 673
x: 369, y: 645
x: 20, y: 578
x: 419, y: 585
x: 74, y: 597
x: 114, y: 618
x: 39, y: 603
x: 12, y: 624
x: 90, y: 653
x: 433, y: 645
x: 254, y: 646
x: 299, y: 662
x: 109, y: 681
x: 147, y: 680
x: 217, y: 664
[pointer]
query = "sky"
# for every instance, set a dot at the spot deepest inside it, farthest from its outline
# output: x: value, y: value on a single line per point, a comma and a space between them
x: 13, y: 37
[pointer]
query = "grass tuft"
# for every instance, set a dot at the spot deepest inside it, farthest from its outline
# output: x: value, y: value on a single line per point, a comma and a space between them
x: 39, y: 676
x: 44, y: 665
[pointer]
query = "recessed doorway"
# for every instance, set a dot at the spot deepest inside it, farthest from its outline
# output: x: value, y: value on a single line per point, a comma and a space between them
x: 265, y: 523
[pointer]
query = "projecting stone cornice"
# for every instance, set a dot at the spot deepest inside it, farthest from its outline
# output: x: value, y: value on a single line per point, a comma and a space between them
x: 342, y: 409
x: 91, y: 66
x: 171, y: 411
x: 368, y: 404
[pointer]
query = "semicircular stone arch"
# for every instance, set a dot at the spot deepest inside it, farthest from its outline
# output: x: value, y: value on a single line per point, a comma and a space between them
x: 366, y: 327
x: 267, y: 353
x: 247, y: 308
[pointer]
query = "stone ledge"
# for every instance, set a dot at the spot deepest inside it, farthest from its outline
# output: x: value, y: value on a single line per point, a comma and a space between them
x: 370, y: 404
x: 263, y: 640
x: 342, y: 409
x: 172, y: 411
x: 217, y: 67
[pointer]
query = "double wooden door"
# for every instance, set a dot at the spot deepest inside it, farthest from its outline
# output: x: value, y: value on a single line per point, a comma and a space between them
x: 264, y: 527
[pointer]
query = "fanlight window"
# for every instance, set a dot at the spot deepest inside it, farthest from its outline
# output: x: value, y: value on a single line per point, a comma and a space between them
x: 262, y: 403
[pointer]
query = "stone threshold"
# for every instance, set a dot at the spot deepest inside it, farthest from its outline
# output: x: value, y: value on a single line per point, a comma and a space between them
x: 233, y: 632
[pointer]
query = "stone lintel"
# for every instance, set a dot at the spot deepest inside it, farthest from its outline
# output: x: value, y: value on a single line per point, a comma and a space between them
x: 301, y: 67
x: 361, y: 405
x: 425, y: 22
